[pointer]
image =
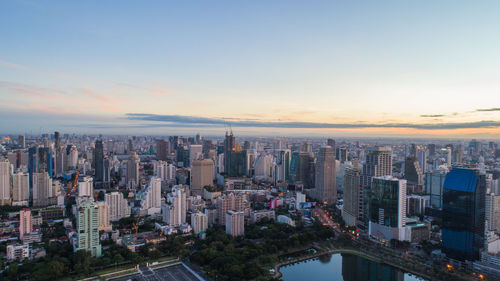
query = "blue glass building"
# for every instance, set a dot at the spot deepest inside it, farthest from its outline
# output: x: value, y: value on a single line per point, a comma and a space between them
x: 464, y: 192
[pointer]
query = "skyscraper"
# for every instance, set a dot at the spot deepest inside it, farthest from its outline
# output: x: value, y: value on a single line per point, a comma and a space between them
x: 325, y: 188
x: 99, y: 161
x: 20, y: 189
x: 378, y: 163
x: 202, y: 174
x: 42, y: 189
x: 228, y: 148
x: 387, y: 208
x: 88, y: 229
x: 413, y: 172
x: 350, y: 211
x: 161, y: 149
x: 463, y: 214
x: 5, y: 182
x: 133, y: 170
x: 25, y: 222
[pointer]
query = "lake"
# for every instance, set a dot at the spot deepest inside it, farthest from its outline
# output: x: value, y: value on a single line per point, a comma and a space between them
x: 343, y: 267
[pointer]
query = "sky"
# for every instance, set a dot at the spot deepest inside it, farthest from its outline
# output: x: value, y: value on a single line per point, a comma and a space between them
x: 333, y: 68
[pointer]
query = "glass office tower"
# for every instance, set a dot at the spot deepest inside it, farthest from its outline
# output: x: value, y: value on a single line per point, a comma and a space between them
x: 464, y: 193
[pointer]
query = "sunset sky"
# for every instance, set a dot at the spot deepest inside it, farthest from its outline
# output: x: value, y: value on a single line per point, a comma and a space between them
x: 347, y: 68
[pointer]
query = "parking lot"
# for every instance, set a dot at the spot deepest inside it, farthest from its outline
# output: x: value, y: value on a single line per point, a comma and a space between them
x: 172, y: 273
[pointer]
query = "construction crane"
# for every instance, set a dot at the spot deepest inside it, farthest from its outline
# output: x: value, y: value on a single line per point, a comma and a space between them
x: 74, y: 184
x: 136, y: 226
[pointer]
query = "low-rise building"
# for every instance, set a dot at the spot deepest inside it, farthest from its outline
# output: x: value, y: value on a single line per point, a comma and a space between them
x: 257, y: 216
x: 18, y: 252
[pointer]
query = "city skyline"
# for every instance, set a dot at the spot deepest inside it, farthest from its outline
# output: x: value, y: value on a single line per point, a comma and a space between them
x: 385, y: 69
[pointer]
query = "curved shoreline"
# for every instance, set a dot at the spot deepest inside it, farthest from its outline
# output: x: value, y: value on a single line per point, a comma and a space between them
x: 278, y: 273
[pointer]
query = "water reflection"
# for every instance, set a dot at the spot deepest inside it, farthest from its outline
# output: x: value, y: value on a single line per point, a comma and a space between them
x: 355, y: 268
x: 343, y: 267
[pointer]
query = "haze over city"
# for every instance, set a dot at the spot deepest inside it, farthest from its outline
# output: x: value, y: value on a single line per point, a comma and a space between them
x: 364, y: 68
x: 263, y: 140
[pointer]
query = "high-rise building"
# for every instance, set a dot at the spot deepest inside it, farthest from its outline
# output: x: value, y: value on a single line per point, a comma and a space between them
x: 325, y: 187
x: 164, y: 171
x: 21, y: 141
x: 434, y: 187
x: 133, y: 170
x: 226, y: 203
x: 161, y: 149
x: 195, y: 153
x: 493, y: 212
x: 118, y: 206
x: 5, y: 198
x: 25, y: 222
x: 174, y: 211
x: 378, y: 163
x: 387, y: 208
x: 235, y: 223
x: 350, y: 211
x: 87, y: 224
x: 463, y: 214
x: 413, y: 172
x: 151, y: 201
x: 305, y: 169
x: 99, y: 161
x: 104, y: 223
x: 202, y: 174
x: 199, y: 221
x: 86, y: 187
x: 228, y: 148
x: 20, y: 189
x: 42, y: 189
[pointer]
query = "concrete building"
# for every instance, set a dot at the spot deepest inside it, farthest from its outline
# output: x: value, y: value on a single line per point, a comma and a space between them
x: 88, y: 229
x: 257, y: 216
x: 118, y: 206
x: 151, y: 201
x: 5, y: 198
x: 493, y: 212
x: 226, y: 203
x: 199, y: 221
x: 161, y: 149
x: 86, y: 187
x: 325, y: 187
x: 174, y: 211
x: 350, y: 211
x: 195, y: 153
x: 235, y: 223
x: 104, y: 222
x: 20, y: 189
x: 18, y: 252
x: 42, y: 189
x: 202, y: 174
x: 133, y: 170
x: 25, y: 222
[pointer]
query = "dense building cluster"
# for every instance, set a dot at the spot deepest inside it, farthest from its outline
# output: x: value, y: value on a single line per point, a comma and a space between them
x: 390, y: 190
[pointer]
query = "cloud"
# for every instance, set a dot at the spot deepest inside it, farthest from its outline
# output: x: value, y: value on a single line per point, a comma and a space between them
x: 432, y: 115
x: 170, y: 120
x: 154, y: 91
x: 488, y: 109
